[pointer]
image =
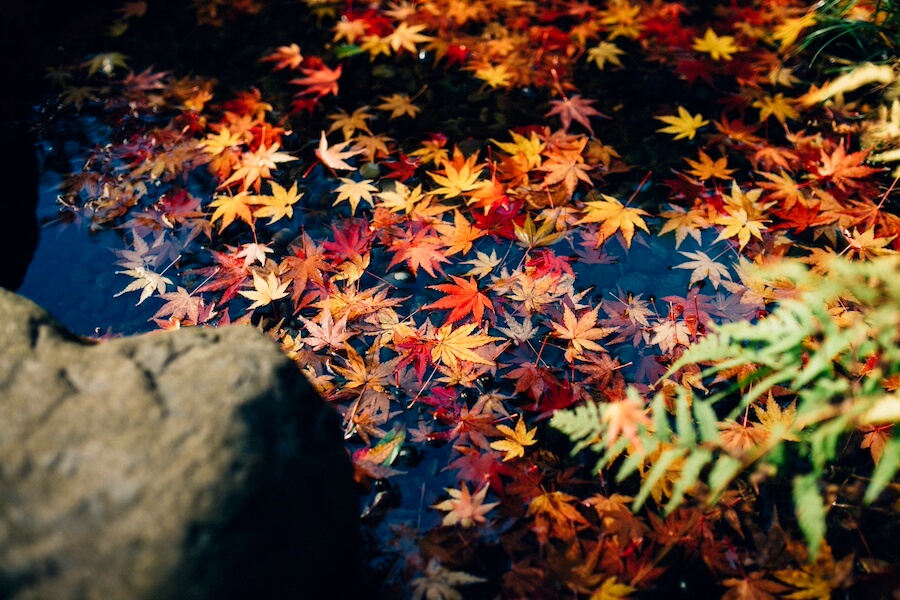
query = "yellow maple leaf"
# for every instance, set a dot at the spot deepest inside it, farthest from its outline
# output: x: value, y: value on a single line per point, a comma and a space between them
x: 739, y: 224
x: 611, y: 589
x: 603, y: 53
x: 494, y: 75
x: 684, y: 125
x: 256, y: 166
x: 279, y: 205
x: 776, y: 106
x: 516, y: 440
x: 718, y: 47
x: 777, y: 421
x: 265, y: 290
x: 406, y: 37
x: 399, y: 105
x: 453, y: 345
x: 354, y: 192
x: 458, y: 181
x: 614, y: 216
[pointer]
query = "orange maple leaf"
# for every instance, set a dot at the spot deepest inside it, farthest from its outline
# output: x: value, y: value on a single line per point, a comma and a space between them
x: 842, y: 169
x: 581, y: 332
x: 421, y: 250
x: 465, y: 508
x: 463, y: 297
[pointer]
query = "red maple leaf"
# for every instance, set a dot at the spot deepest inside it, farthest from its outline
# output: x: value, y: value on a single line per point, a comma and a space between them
x: 463, y: 297
x: 403, y: 168
x: 477, y: 466
x: 319, y: 82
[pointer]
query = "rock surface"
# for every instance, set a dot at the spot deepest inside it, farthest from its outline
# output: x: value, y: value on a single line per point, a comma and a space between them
x: 196, y: 463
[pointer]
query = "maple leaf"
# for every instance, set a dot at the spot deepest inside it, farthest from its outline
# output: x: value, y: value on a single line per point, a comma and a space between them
x: 399, y: 105
x: 406, y: 37
x: 230, y: 207
x: 451, y: 345
x: 145, y: 280
x: 465, y: 508
x: 818, y: 579
x: 865, y: 245
x: 463, y: 297
x: 477, y: 466
x: 611, y: 589
x: 567, y: 169
x: 366, y: 373
x: 279, y: 205
x: 333, y: 157
x: 106, y: 62
x: 738, y: 223
x: 623, y: 418
x: 684, y: 223
x: 580, y: 332
x: 776, y: 421
x: 285, y: 57
x: 258, y: 165
x: 531, y: 236
x: 614, y: 216
x: 457, y: 181
x: 483, y: 264
x: 349, y: 124
x: 319, y: 82
x: 326, y: 333
x: 216, y: 144
x: 670, y: 333
x: 555, y: 516
x: 753, y: 587
x: 516, y: 440
x: 306, y: 263
x: 265, y: 290
x: 421, y: 250
x: 707, y: 168
x: 603, y: 53
x: 494, y: 75
x: 737, y: 437
x: 459, y: 235
x: 254, y: 252
x: 354, y: 192
x: 403, y: 168
x: 575, y: 108
x: 684, y: 125
x: 440, y: 583
x: 842, y: 169
x: 718, y: 47
x: 777, y: 106
x: 876, y: 438
x: 704, y: 267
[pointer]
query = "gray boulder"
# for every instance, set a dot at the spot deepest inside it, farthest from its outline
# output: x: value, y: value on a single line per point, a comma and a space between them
x: 196, y: 463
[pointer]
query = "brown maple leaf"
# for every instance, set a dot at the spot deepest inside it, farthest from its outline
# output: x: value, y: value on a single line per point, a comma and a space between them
x: 575, y: 108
